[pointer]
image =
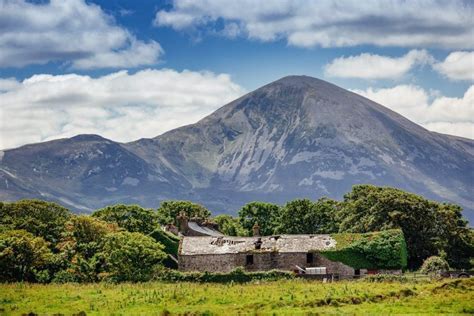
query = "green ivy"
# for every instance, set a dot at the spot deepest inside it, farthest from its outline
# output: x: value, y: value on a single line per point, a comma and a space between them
x: 378, y: 250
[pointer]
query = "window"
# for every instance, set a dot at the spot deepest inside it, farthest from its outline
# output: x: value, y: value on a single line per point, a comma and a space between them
x: 309, y: 257
x: 249, y: 260
x: 357, y: 272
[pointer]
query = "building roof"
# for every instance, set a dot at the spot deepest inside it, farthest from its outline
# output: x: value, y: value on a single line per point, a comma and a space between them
x: 204, y: 230
x: 280, y: 243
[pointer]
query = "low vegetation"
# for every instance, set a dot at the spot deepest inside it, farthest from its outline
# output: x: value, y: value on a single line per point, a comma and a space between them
x: 44, y: 242
x: 284, y: 297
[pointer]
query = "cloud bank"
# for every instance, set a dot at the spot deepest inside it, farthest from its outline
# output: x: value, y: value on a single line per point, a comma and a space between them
x: 457, y: 66
x: 119, y: 106
x: 441, y: 114
x: 303, y: 23
x: 371, y: 66
x: 73, y: 32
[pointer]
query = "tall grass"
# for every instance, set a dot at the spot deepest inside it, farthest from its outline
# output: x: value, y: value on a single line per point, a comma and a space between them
x: 280, y: 297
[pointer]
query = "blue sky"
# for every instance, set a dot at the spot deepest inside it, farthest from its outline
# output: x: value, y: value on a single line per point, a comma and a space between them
x: 59, y: 57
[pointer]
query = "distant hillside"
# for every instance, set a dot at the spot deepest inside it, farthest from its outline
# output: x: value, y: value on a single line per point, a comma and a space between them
x: 295, y: 137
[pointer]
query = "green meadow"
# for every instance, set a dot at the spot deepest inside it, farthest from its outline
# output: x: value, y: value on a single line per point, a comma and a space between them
x: 285, y: 297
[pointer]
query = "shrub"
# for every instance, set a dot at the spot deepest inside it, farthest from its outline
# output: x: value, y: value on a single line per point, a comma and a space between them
x: 386, y: 278
x: 21, y: 254
x: 434, y: 265
x: 131, y: 256
x: 239, y: 275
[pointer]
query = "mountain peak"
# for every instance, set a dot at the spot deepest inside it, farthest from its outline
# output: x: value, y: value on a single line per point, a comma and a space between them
x: 298, y: 136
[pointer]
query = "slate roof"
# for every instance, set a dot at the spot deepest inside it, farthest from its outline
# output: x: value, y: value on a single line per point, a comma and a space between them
x: 280, y: 243
x: 203, y: 230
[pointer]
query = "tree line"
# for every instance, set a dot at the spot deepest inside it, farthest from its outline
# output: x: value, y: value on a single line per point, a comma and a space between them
x: 42, y: 241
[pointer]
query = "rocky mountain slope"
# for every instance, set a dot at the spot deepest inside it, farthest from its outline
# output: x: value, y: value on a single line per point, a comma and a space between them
x: 295, y: 137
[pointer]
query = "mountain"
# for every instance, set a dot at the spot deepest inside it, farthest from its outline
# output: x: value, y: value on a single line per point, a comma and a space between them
x: 295, y: 137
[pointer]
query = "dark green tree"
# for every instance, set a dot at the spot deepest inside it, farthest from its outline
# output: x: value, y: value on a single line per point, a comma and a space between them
x: 293, y: 217
x: 130, y: 217
x: 131, y: 256
x: 22, y: 255
x: 264, y: 214
x: 429, y: 227
x: 169, y: 210
x: 303, y: 216
x: 229, y: 225
x: 41, y: 218
x: 322, y: 218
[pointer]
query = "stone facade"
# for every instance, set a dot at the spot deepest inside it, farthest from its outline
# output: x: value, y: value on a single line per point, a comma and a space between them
x: 259, y: 261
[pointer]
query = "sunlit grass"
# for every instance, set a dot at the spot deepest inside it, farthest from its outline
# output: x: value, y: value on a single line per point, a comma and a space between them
x: 280, y: 297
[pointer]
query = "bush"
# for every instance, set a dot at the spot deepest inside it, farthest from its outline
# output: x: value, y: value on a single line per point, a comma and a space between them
x: 130, y: 256
x: 381, y: 278
x: 434, y: 265
x: 238, y: 275
x: 65, y: 276
x: 21, y: 255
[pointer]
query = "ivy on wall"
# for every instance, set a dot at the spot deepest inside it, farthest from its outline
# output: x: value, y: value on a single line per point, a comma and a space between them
x: 378, y: 250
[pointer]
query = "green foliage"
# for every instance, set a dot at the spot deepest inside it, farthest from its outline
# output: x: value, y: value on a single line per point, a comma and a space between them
x: 378, y: 250
x: 130, y: 256
x: 434, y: 265
x: 130, y: 217
x: 264, y: 214
x: 383, y: 278
x: 169, y: 241
x: 230, y: 226
x: 40, y: 218
x: 77, y: 258
x: 169, y: 210
x: 303, y: 216
x: 22, y: 256
x: 239, y: 275
x: 429, y: 227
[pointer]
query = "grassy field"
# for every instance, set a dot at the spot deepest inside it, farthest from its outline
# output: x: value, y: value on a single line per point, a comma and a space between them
x: 290, y: 297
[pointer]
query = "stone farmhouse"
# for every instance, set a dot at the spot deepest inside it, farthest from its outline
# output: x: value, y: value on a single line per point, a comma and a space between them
x: 203, y: 248
x: 282, y: 252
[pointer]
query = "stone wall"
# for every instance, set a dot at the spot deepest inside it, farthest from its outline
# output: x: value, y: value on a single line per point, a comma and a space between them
x: 262, y: 261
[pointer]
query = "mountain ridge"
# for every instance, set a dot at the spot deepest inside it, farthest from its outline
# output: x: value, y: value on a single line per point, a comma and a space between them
x: 295, y: 137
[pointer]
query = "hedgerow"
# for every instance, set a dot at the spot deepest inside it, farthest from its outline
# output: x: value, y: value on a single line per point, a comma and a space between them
x: 239, y: 275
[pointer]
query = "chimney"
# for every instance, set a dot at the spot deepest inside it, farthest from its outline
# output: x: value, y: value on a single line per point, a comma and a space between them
x: 256, y: 230
x: 182, y: 219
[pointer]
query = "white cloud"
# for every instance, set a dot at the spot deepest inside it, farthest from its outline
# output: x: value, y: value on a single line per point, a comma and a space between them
x: 7, y: 84
x: 303, y: 23
x: 70, y: 31
x: 457, y: 66
x: 441, y: 114
x: 371, y: 66
x: 119, y: 106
